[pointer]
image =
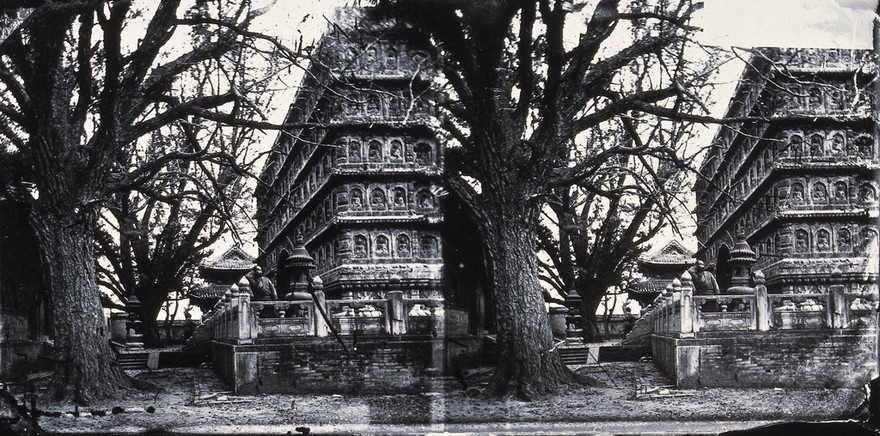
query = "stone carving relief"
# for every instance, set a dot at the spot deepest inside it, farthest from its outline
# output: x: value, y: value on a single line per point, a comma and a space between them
x: 797, y: 193
x: 838, y: 146
x: 844, y: 241
x: 424, y: 199
x: 817, y: 146
x: 375, y: 151
x: 823, y: 241
x: 377, y: 199
x: 867, y: 193
x: 399, y: 198
x: 360, y: 246
x: 354, y: 151
x: 423, y: 154
x: 841, y: 192
x: 403, y: 246
x: 820, y: 193
x: 382, y: 246
x: 430, y: 246
x: 396, y: 150
x: 357, y: 198
x: 868, y: 241
x: 801, y: 241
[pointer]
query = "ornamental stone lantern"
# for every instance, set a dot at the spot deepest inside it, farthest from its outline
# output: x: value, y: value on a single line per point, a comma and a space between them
x: 298, y: 265
x: 741, y: 260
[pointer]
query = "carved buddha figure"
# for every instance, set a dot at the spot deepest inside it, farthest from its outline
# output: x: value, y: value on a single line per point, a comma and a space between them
x: 801, y: 241
x: 817, y: 147
x: 844, y: 241
x: 360, y: 246
x: 377, y: 199
x: 403, y: 247
x: 823, y: 241
x: 837, y: 144
x: 382, y: 245
x: 820, y: 193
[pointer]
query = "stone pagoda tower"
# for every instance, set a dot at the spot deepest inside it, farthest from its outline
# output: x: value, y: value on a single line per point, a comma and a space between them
x: 359, y: 178
x: 797, y: 179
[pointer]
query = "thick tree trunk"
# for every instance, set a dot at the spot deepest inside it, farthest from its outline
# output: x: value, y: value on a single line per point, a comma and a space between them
x: 151, y: 306
x: 528, y: 363
x: 85, y: 367
x: 591, y: 331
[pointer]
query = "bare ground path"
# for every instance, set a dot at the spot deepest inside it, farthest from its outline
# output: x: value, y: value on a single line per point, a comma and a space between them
x: 634, y: 401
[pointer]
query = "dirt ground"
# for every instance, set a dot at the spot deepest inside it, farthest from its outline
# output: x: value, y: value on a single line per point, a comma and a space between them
x: 194, y: 400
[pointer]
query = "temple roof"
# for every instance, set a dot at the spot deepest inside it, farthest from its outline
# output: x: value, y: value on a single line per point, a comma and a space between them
x: 673, y: 253
x: 649, y: 286
x: 208, y: 292
x: 233, y: 259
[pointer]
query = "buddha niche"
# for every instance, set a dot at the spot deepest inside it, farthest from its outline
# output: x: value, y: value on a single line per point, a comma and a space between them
x: 403, y: 249
x: 360, y: 246
x: 823, y: 241
x: 801, y: 241
x: 817, y: 148
x: 382, y: 245
x: 820, y: 193
x: 377, y: 199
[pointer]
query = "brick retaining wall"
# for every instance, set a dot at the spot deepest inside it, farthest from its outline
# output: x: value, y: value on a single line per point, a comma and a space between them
x: 783, y: 358
x: 308, y: 364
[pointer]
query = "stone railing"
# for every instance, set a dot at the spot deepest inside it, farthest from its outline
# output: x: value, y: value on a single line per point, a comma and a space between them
x: 238, y: 319
x: 679, y: 311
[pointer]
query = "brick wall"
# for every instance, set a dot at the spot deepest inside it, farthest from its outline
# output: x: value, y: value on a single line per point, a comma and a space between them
x: 786, y: 358
x: 300, y: 365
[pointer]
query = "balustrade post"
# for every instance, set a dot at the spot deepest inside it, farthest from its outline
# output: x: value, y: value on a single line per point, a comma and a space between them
x: 395, y: 313
x: 244, y: 333
x: 762, y: 303
x: 687, y: 312
x: 321, y: 328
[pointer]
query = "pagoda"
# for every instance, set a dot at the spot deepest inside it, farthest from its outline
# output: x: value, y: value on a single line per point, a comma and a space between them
x: 219, y: 274
x: 660, y: 268
x: 360, y: 176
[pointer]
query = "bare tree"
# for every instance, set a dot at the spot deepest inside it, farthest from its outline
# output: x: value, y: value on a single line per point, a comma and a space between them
x: 154, y: 235
x: 518, y: 98
x: 80, y: 83
x: 594, y: 231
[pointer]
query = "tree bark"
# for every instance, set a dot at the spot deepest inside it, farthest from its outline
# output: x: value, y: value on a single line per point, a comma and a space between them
x: 527, y: 361
x: 86, y: 369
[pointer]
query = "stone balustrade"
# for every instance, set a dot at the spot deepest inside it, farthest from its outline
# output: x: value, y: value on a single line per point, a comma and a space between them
x: 239, y: 320
x: 679, y: 311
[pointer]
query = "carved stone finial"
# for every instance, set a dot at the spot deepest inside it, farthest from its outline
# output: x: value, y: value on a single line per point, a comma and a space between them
x: 687, y: 281
x: 758, y: 278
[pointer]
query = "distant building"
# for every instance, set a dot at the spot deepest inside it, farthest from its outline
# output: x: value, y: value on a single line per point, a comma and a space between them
x: 660, y: 268
x: 797, y: 177
x: 359, y: 174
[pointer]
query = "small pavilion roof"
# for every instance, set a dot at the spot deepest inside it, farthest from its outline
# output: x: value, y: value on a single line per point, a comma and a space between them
x: 673, y: 253
x: 232, y: 259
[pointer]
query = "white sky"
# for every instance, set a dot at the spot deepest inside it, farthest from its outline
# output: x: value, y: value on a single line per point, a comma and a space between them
x: 725, y: 23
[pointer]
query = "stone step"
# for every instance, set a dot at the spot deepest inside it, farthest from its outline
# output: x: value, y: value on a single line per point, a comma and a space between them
x: 133, y: 361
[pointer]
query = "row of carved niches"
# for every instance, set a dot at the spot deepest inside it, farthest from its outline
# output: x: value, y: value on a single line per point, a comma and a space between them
x: 386, y: 149
x: 834, y: 98
x: 820, y: 191
x: 381, y: 244
x: 379, y: 58
x: 824, y: 59
x: 380, y: 106
x: 824, y: 238
x: 827, y: 145
x: 379, y: 197
x: 801, y: 193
